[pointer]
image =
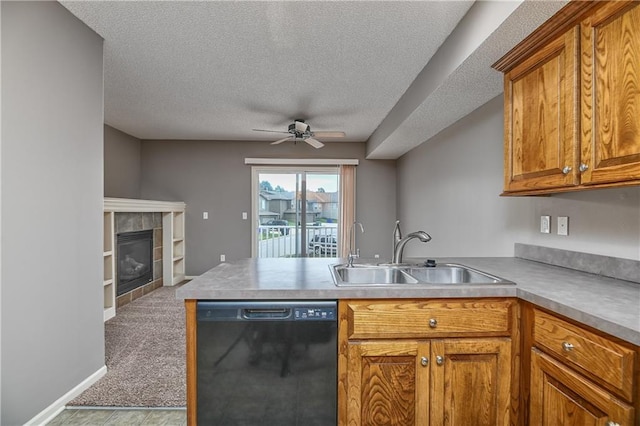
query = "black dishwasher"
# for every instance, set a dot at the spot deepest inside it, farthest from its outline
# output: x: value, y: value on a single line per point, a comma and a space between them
x: 267, y: 363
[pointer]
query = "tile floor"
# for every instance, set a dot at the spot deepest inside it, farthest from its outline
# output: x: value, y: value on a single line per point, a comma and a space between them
x: 120, y: 416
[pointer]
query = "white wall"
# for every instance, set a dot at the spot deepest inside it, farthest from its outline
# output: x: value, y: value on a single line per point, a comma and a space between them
x: 605, y: 222
x: 450, y: 185
x: 211, y: 176
x: 121, y: 164
x: 51, y: 176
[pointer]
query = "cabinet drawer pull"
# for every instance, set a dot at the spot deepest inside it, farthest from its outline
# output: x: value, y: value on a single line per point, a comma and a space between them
x: 566, y: 170
x: 568, y: 347
x: 583, y: 167
x: 439, y: 360
x: 433, y: 323
x: 424, y: 361
x: 610, y: 423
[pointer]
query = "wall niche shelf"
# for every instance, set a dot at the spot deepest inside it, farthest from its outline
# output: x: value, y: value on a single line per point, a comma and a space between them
x: 173, y: 242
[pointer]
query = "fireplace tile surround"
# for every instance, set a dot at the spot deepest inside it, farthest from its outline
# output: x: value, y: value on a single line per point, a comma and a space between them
x: 142, y: 221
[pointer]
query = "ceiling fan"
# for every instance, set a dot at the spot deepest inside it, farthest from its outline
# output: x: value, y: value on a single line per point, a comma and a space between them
x: 301, y: 131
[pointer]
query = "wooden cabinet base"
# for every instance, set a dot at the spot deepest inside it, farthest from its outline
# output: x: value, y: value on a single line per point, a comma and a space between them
x: 560, y: 396
x: 427, y: 362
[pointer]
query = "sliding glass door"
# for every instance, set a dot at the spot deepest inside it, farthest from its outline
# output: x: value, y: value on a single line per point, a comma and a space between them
x: 295, y: 212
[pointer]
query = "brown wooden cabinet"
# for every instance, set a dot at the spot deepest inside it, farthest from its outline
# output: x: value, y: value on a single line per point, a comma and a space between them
x: 388, y: 382
x: 470, y: 383
x: 572, y: 101
x: 400, y: 364
x: 610, y: 99
x: 559, y: 396
x: 541, y: 129
x: 575, y: 376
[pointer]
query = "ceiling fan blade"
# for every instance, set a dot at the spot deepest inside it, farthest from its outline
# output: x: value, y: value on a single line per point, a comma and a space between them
x: 281, y: 140
x: 301, y: 126
x: 314, y: 143
x: 269, y: 131
x: 329, y: 134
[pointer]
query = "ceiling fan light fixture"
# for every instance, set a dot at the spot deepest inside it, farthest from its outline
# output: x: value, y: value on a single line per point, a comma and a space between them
x: 301, y: 131
x: 301, y: 126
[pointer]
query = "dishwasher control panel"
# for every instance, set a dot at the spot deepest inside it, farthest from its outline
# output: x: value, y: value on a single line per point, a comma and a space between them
x: 314, y: 313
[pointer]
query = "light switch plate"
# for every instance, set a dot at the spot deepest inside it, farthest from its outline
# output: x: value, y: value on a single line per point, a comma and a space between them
x: 563, y: 225
x: 545, y: 224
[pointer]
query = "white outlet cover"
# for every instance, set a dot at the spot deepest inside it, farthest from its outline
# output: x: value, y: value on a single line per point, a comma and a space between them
x: 545, y: 224
x: 563, y: 225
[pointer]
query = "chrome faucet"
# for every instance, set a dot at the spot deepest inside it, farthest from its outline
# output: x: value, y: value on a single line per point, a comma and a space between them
x: 352, y: 238
x: 399, y: 246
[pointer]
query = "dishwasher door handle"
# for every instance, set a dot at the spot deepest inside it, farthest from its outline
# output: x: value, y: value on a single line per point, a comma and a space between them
x: 266, y: 313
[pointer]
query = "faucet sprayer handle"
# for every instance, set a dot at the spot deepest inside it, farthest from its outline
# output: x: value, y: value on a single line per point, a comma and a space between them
x: 421, y: 235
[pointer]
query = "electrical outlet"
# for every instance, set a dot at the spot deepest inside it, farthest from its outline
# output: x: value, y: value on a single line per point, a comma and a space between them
x: 244, y: 215
x: 545, y: 224
x: 223, y: 258
x: 205, y: 215
x: 563, y: 225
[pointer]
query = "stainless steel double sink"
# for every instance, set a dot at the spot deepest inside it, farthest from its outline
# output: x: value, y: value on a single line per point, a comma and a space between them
x: 441, y: 274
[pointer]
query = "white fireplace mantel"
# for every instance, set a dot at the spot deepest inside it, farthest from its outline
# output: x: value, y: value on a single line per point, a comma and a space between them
x: 142, y: 206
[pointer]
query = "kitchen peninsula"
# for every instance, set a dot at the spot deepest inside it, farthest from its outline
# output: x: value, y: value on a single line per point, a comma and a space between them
x: 595, y: 320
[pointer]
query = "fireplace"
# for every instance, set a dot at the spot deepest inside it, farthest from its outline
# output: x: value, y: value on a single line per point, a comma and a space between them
x: 135, y: 260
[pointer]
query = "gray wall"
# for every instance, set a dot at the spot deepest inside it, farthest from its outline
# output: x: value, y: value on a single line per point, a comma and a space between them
x: 450, y: 186
x: 211, y: 176
x: 121, y: 164
x: 51, y: 172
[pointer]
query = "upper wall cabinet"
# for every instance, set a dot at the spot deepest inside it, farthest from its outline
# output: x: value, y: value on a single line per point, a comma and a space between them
x: 610, y: 100
x: 572, y: 101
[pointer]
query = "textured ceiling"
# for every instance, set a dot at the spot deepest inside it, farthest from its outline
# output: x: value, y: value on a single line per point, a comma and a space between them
x: 216, y: 70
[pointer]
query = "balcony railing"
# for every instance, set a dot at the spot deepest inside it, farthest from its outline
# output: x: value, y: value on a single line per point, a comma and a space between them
x: 285, y: 241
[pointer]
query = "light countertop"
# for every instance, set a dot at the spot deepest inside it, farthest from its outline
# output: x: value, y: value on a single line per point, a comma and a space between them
x: 607, y: 304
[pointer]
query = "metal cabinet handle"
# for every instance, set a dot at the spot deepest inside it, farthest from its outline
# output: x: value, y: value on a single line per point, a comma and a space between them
x: 424, y: 361
x: 567, y: 346
x: 439, y: 360
x: 433, y: 323
x: 583, y: 167
x: 566, y: 170
x: 611, y: 423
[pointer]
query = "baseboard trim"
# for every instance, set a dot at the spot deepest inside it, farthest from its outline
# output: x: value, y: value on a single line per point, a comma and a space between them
x: 49, y: 413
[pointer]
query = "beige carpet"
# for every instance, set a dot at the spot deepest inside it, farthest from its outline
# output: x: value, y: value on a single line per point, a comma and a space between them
x: 145, y: 355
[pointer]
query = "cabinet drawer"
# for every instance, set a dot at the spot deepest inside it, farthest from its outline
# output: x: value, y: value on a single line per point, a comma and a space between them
x: 374, y: 319
x: 598, y: 357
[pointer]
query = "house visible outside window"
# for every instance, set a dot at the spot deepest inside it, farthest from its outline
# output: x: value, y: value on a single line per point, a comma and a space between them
x: 297, y: 212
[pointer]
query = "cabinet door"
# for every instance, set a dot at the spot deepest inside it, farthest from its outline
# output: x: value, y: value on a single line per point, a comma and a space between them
x: 471, y: 381
x: 541, y: 125
x: 388, y: 383
x: 610, y: 73
x: 560, y: 396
